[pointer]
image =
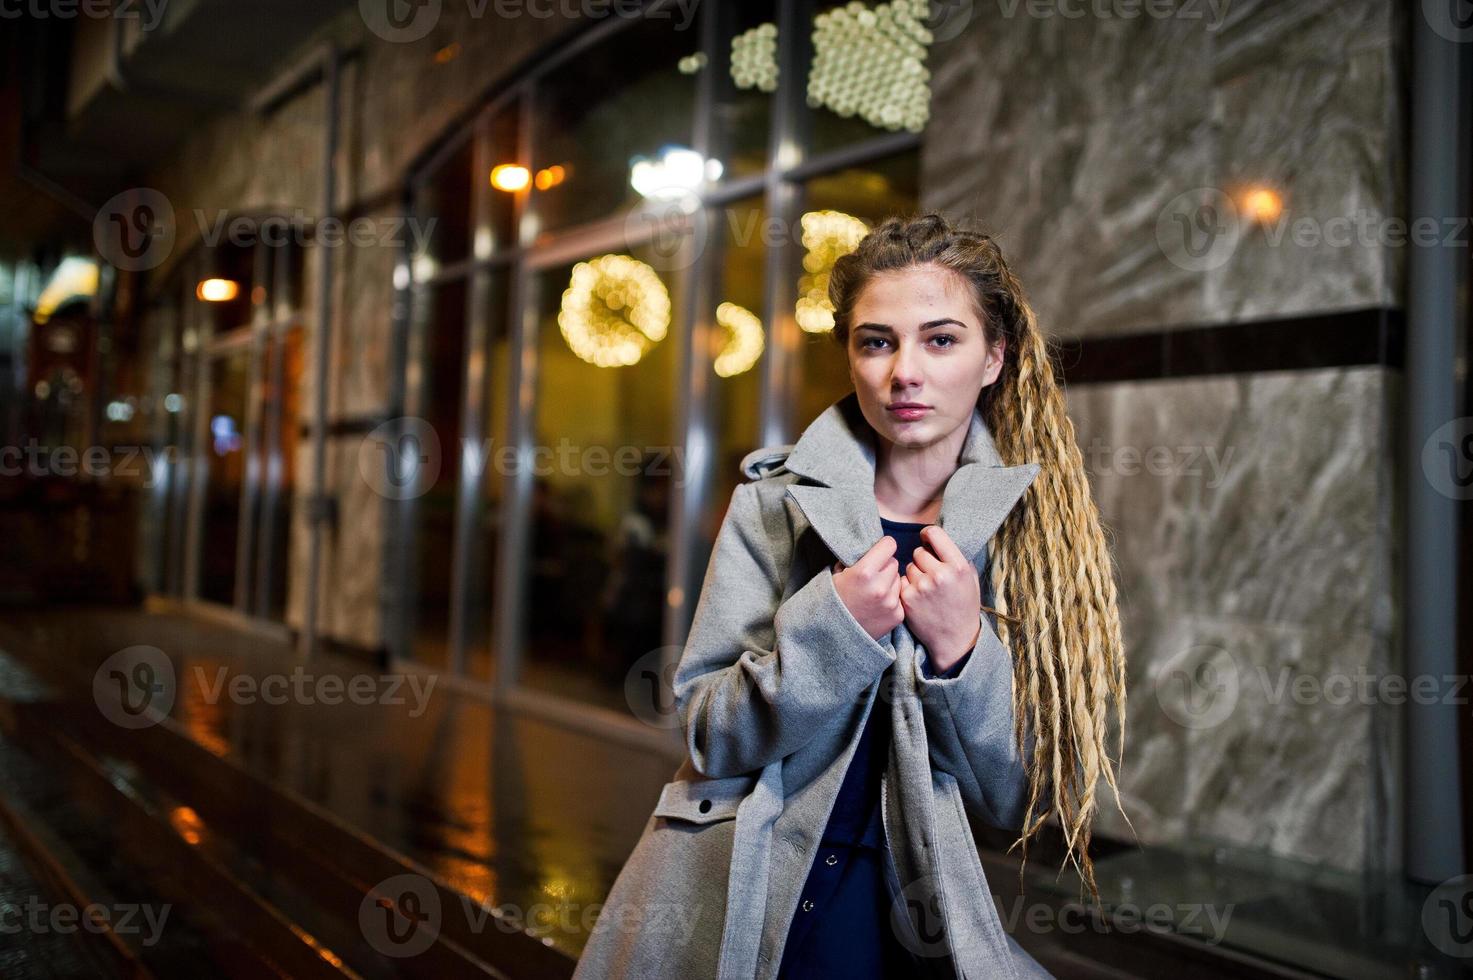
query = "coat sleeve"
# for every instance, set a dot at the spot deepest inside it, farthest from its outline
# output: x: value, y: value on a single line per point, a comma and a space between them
x: 969, y: 727
x: 760, y: 676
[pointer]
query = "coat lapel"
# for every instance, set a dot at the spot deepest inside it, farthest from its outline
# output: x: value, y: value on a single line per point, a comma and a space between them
x: 837, y: 452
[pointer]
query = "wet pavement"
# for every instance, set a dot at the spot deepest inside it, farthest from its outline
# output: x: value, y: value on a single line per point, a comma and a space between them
x: 294, y: 818
x: 512, y: 811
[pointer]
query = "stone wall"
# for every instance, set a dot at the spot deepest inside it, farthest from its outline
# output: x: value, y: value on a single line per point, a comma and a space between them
x: 1251, y: 514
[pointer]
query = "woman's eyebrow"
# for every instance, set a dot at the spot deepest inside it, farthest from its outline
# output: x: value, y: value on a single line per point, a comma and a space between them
x: 928, y: 325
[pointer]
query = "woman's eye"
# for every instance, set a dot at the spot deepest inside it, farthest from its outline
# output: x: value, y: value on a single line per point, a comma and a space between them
x: 947, y: 338
x: 865, y: 344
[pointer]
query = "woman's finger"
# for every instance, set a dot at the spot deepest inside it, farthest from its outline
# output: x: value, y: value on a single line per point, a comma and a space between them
x: 941, y: 543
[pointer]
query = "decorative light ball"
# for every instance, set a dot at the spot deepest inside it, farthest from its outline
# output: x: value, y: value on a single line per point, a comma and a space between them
x: 614, y: 310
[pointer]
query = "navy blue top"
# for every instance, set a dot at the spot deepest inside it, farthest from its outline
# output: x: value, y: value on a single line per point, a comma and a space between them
x: 842, y: 927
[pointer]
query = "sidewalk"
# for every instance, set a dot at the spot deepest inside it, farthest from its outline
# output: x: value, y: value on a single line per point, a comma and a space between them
x: 511, y: 811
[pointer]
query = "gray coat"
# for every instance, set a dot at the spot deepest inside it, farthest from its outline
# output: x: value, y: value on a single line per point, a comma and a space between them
x: 773, y: 689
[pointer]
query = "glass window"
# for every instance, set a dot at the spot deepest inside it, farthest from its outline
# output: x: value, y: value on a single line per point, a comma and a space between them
x: 286, y: 357
x: 442, y: 206
x: 837, y: 210
x: 224, y: 455
x: 289, y: 258
x: 441, y: 311
x: 235, y: 264
x: 624, y: 100
x: 481, y: 561
x: 737, y: 343
x: 500, y: 201
x: 603, y: 478
x: 742, y: 114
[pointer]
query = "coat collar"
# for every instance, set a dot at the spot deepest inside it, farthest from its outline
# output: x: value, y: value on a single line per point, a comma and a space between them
x: 837, y: 452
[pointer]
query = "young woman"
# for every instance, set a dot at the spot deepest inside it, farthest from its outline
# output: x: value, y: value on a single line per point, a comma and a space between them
x: 864, y: 673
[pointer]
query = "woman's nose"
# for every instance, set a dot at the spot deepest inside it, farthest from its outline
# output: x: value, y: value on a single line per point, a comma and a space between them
x: 906, y: 369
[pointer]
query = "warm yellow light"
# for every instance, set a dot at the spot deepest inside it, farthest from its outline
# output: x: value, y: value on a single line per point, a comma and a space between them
x: 827, y: 235
x: 186, y: 824
x: 509, y: 176
x: 75, y: 277
x: 1262, y: 204
x: 447, y: 54
x: 217, y: 290
x: 550, y: 177
x: 614, y: 310
x: 744, y: 340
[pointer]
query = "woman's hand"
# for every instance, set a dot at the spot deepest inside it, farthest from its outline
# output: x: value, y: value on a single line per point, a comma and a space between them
x: 942, y: 598
x: 870, y: 589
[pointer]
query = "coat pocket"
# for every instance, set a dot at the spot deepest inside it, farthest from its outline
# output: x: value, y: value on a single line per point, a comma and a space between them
x: 704, y: 800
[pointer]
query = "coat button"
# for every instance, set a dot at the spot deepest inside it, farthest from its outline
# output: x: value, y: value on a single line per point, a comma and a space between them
x: 705, y: 806
x: 807, y: 905
x: 831, y: 860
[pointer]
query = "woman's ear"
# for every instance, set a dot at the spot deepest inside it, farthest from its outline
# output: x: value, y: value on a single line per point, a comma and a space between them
x: 992, y: 367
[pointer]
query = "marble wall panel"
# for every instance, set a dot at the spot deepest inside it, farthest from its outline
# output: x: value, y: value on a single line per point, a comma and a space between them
x: 1249, y: 522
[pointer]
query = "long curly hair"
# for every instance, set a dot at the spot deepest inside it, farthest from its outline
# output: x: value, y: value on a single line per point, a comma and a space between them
x: 1051, y: 572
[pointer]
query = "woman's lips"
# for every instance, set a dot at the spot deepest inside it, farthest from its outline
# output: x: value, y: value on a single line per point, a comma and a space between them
x: 908, y: 413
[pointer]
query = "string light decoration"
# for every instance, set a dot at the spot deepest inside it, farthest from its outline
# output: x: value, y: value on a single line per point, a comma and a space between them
x: 871, y: 63
x: 754, y: 58
x: 826, y: 236
x: 614, y: 310
x: 744, y: 341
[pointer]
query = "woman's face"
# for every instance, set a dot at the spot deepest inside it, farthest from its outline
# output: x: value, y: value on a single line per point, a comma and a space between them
x: 917, y: 355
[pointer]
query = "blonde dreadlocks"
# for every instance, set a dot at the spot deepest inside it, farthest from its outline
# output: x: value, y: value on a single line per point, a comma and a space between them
x: 1051, y: 571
